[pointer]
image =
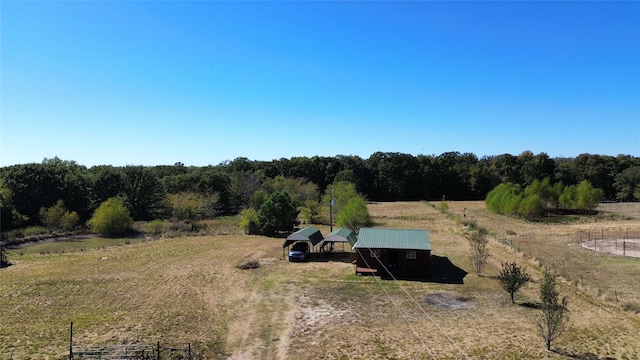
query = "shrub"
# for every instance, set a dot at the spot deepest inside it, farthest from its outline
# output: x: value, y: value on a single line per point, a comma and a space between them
x: 58, y: 217
x: 443, y: 207
x: 111, y: 219
x: 249, y: 221
x: 531, y: 207
x: 311, y: 211
x: 631, y: 307
x: 32, y: 231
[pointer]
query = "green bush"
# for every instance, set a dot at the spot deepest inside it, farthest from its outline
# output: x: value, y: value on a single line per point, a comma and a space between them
x: 111, y: 219
x: 531, y: 207
x: 443, y: 207
x: 154, y: 227
x: 249, y: 221
x: 32, y: 231
x: 58, y: 217
x: 311, y: 211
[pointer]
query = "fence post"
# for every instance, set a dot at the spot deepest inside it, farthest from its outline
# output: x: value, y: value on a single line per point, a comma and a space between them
x: 71, y: 341
x: 158, y: 350
x: 189, y: 351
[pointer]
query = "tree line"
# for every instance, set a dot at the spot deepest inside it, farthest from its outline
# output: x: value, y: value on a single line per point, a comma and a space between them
x: 29, y: 191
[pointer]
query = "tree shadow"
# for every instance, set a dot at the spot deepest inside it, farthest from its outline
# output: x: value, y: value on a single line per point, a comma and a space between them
x: 531, y: 305
x: 581, y: 356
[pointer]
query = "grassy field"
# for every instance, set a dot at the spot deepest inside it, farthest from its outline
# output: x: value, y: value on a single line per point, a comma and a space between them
x: 190, y: 290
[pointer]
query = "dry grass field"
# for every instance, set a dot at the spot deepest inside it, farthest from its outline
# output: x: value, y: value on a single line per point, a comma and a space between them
x: 189, y: 290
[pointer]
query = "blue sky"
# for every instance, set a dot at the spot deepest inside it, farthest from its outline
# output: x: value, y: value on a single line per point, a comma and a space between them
x: 151, y: 83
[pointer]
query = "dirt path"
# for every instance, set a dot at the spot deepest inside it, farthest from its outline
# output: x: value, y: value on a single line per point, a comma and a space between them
x: 263, y: 321
x: 285, y: 335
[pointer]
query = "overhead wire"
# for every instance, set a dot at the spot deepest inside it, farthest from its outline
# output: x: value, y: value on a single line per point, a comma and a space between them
x: 410, y: 296
x: 422, y: 309
x: 404, y: 317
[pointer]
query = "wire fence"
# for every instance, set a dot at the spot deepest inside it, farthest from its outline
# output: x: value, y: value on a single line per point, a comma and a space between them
x: 616, y: 241
x: 128, y: 351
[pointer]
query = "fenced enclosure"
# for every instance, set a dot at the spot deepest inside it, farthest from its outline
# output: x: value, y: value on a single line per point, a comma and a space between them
x: 127, y: 351
x: 567, y: 254
x: 616, y: 241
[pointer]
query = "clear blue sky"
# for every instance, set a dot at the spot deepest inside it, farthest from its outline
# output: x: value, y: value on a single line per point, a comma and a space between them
x: 151, y: 83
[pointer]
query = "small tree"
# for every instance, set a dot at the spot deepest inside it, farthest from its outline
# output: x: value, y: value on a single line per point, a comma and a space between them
x: 354, y: 214
x: 277, y: 212
x: 111, y: 218
x: 342, y: 191
x: 587, y: 197
x: 555, y: 315
x: 479, y: 252
x: 189, y: 205
x: 512, y: 277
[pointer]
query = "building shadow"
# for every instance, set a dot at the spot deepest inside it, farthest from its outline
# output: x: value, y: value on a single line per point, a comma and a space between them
x: 443, y: 271
x: 336, y: 256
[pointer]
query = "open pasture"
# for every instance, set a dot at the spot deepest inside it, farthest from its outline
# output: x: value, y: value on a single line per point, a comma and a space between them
x: 189, y: 290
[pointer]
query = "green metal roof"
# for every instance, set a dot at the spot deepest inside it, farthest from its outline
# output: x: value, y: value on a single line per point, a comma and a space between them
x: 342, y: 235
x: 406, y: 239
x: 307, y: 234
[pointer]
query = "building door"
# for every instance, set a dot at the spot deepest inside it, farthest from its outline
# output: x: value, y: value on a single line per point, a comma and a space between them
x: 392, y: 261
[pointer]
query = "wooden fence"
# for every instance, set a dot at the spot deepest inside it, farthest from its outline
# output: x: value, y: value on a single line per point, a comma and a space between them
x: 126, y: 352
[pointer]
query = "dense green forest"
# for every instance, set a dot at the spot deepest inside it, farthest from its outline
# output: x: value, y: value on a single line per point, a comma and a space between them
x: 28, y: 192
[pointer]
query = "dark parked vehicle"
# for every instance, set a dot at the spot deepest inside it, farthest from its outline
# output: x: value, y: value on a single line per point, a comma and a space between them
x: 299, y: 251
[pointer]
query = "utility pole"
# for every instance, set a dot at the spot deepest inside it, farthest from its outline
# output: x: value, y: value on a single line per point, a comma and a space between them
x: 332, y: 202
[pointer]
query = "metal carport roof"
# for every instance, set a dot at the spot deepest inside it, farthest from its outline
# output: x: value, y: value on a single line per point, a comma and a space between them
x: 309, y: 233
x: 342, y: 235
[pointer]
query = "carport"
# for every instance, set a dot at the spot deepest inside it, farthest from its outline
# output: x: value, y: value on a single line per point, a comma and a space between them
x: 341, y: 235
x: 310, y: 234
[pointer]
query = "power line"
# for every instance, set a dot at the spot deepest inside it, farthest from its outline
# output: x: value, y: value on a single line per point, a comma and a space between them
x: 420, y: 307
x: 411, y: 297
x: 402, y: 314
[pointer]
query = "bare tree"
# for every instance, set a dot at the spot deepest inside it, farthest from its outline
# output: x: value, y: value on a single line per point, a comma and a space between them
x: 479, y: 252
x: 555, y: 315
x: 512, y: 277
